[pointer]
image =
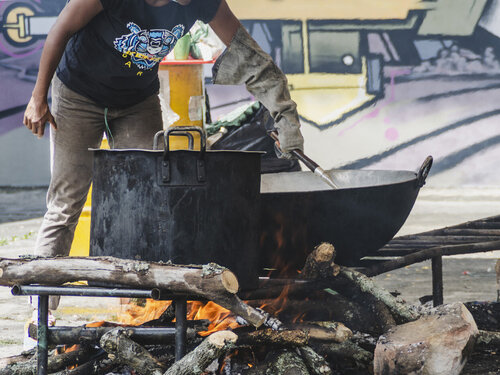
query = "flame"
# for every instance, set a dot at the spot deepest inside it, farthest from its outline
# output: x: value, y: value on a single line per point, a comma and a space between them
x: 134, y: 314
x: 219, y: 317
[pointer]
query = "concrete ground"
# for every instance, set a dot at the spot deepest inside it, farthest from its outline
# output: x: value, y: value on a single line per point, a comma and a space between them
x: 466, y: 278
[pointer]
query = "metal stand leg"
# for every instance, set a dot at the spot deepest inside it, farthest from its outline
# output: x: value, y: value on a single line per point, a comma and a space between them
x: 180, y: 328
x: 43, y: 345
x: 437, y: 281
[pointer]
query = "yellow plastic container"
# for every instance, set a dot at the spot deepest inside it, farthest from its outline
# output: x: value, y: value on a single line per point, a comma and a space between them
x: 186, y: 93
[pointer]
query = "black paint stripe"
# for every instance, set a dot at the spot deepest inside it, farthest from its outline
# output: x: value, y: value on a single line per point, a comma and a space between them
x: 365, y: 162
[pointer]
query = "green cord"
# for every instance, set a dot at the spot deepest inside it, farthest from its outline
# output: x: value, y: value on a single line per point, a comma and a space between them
x: 108, y: 130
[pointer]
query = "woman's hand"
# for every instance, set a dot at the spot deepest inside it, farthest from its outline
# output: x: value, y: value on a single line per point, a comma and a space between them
x: 37, y: 114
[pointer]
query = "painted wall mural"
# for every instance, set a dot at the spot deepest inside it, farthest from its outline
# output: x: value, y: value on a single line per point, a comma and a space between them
x: 379, y: 84
x: 383, y: 84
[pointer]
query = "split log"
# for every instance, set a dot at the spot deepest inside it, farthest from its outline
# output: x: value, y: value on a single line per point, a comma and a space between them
x: 55, y: 362
x: 287, y: 362
x: 119, y: 346
x: 488, y: 338
x: 205, y: 281
x: 213, y: 347
x: 347, y: 350
x: 316, y: 363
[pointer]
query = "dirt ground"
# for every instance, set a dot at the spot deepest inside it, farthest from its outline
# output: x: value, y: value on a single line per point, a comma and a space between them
x: 466, y: 278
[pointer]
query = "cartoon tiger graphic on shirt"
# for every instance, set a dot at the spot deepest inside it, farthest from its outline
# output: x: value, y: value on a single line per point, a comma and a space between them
x: 147, y: 48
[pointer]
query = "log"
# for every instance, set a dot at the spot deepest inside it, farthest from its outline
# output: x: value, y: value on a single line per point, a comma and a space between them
x: 320, y: 263
x: 97, y: 366
x: 432, y: 252
x: 55, y: 362
x: 23, y: 357
x: 119, y: 346
x: 349, y: 351
x: 204, y: 281
x: 316, y: 363
x: 326, y: 307
x: 287, y: 362
x: 61, y: 335
x: 396, y: 305
x: 295, y: 335
x: 213, y: 347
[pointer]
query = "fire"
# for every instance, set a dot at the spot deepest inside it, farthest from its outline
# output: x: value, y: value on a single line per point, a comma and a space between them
x: 219, y: 317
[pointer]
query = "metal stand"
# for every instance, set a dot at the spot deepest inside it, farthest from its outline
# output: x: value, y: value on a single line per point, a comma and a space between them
x: 42, y: 343
x: 180, y: 328
x: 437, y: 281
x: 44, y: 292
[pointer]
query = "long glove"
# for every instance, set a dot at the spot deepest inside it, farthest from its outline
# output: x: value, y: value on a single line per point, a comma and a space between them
x: 244, y: 62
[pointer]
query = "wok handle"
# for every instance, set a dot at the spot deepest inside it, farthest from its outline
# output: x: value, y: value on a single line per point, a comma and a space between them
x: 311, y: 164
x: 424, y: 170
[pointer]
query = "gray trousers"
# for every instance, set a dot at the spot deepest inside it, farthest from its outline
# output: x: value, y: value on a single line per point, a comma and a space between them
x: 80, y: 126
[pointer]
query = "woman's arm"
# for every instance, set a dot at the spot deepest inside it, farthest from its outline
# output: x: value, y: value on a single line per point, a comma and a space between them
x: 75, y: 15
x: 244, y: 62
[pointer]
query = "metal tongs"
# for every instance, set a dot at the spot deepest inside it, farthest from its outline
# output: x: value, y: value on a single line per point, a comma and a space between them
x: 309, y: 163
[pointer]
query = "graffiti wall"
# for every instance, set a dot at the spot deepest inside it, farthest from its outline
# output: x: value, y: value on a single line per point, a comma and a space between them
x: 379, y: 84
x: 24, y: 160
x: 383, y: 84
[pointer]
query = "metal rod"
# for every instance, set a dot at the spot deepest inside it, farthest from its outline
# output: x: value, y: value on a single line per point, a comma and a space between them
x: 25, y: 290
x: 437, y: 280
x: 180, y: 327
x: 42, y: 336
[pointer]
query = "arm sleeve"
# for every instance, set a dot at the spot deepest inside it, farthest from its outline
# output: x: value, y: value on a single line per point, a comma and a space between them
x: 203, y: 10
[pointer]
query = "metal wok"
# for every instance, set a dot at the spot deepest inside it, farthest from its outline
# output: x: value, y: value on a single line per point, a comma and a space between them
x: 299, y: 211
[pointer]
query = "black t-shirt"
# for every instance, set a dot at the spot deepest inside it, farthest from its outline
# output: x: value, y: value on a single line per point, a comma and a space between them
x: 114, y: 59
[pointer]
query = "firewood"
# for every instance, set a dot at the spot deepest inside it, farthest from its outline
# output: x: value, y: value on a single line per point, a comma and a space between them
x: 213, y: 347
x: 61, y: 335
x: 346, y: 350
x: 396, y: 305
x: 320, y: 263
x: 97, y: 366
x: 316, y: 363
x: 204, y: 281
x: 287, y: 362
x: 119, y: 346
x: 23, y: 357
x: 294, y: 335
x: 55, y: 362
x: 326, y: 307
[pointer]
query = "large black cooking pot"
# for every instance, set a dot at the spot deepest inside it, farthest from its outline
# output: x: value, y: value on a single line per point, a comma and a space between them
x: 299, y: 211
x: 187, y: 207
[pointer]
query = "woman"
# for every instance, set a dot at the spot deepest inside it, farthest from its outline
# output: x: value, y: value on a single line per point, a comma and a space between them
x: 105, y: 54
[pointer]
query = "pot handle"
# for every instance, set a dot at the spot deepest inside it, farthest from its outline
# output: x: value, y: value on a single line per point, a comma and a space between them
x: 183, y: 130
x: 424, y: 170
x: 188, y: 135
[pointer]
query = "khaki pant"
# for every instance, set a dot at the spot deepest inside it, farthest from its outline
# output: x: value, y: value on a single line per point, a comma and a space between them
x: 80, y: 126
